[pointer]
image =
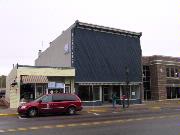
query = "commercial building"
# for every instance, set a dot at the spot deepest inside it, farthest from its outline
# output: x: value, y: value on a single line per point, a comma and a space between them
x: 25, y: 83
x: 106, y: 61
x: 2, y: 85
x: 161, y: 77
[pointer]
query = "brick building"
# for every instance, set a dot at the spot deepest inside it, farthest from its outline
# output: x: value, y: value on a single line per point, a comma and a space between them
x: 161, y: 77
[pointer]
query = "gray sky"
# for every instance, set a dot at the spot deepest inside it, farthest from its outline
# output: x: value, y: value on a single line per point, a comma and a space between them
x: 24, y: 24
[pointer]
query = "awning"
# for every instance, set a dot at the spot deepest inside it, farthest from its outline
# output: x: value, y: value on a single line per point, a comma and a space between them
x: 108, y: 83
x: 34, y: 79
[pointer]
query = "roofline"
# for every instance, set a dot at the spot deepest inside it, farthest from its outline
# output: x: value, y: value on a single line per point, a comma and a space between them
x: 43, y: 66
x: 161, y: 56
x: 106, y: 29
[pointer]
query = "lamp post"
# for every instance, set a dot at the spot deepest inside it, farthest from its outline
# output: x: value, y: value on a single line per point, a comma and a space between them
x: 127, y: 85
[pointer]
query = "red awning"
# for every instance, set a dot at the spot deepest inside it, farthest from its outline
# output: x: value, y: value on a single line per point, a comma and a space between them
x: 34, y: 79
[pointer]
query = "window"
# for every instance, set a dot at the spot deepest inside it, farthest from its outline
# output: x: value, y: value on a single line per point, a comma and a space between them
x: 70, y: 98
x: 135, y: 92
x: 46, y: 99
x: 67, y: 89
x: 176, y: 73
x: 146, y: 83
x: 147, y: 95
x: 146, y: 86
x: 58, y: 98
x: 172, y: 72
x: 86, y: 93
x: 173, y: 92
x: 167, y: 72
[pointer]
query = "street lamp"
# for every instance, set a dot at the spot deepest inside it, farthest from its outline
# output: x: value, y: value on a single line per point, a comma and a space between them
x: 127, y: 84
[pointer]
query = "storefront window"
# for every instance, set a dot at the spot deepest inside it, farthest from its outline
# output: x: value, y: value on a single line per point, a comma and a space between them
x: 135, y: 92
x: 96, y: 93
x: 86, y: 93
x: 40, y: 90
x: 173, y: 92
x: 67, y: 89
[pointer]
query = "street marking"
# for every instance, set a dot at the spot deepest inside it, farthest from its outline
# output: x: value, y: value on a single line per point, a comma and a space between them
x: 60, y: 126
x: 19, y: 117
x: 149, y: 118
x: 139, y: 119
x: 2, y: 131
x: 96, y: 123
x: 156, y: 107
x: 107, y: 122
x: 119, y: 121
x: 34, y: 128
x: 128, y: 120
x: 48, y: 126
x: 161, y: 117
x: 172, y: 116
x: 97, y: 110
x: 11, y: 130
x: 22, y: 129
x: 72, y: 125
x: 96, y: 114
x: 84, y: 124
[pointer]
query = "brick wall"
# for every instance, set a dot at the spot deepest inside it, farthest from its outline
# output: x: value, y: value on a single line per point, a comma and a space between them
x: 159, y: 79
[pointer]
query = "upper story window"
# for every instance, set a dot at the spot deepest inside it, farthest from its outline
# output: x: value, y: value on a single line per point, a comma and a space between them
x: 172, y: 72
x: 176, y: 73
x: 167, y: 72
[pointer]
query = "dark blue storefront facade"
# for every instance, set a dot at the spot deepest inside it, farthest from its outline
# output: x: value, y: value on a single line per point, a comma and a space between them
x: 102, y: 57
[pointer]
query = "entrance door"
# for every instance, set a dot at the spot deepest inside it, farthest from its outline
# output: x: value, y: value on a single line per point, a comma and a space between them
x: 106, y: 94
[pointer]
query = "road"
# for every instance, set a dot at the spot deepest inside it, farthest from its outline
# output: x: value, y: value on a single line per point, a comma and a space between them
x: 156, y: 122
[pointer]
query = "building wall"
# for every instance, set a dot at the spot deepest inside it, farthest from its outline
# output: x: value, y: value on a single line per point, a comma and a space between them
x: 159, y: 79
x: 12, y: 92
x: 55, y: 55
x: 2, y: 82
x: 46, y: 71
x: 102, y: 56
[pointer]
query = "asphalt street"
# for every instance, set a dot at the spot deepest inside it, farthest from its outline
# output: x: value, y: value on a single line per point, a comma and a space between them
x: 156, y: 122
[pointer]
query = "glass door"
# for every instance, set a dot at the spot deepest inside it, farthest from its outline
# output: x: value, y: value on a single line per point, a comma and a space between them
x: 106, y: 94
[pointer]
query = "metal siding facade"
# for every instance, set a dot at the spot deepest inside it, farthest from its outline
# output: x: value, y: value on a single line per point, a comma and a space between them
x: 102, y: 57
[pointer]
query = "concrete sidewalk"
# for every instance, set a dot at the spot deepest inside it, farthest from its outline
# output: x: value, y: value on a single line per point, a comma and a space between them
x: 108, y: 108
x: 4, y: 111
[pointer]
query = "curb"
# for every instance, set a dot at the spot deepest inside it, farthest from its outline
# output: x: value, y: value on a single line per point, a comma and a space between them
x: 4, y: 115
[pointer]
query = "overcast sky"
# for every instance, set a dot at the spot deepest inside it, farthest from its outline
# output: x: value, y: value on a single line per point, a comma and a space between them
x: 24, y: 24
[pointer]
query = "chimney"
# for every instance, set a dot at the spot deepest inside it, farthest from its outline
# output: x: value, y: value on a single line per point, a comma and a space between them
x: 39, y: 53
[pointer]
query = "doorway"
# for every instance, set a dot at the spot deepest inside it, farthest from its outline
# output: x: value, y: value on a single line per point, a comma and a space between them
x: 105, y: 94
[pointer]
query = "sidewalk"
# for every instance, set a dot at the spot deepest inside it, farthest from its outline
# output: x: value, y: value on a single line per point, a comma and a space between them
x: 4, y: 111
x: 108, y: 108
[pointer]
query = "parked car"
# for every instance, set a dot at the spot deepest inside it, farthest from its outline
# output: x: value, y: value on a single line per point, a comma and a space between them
x: 51, y: 103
